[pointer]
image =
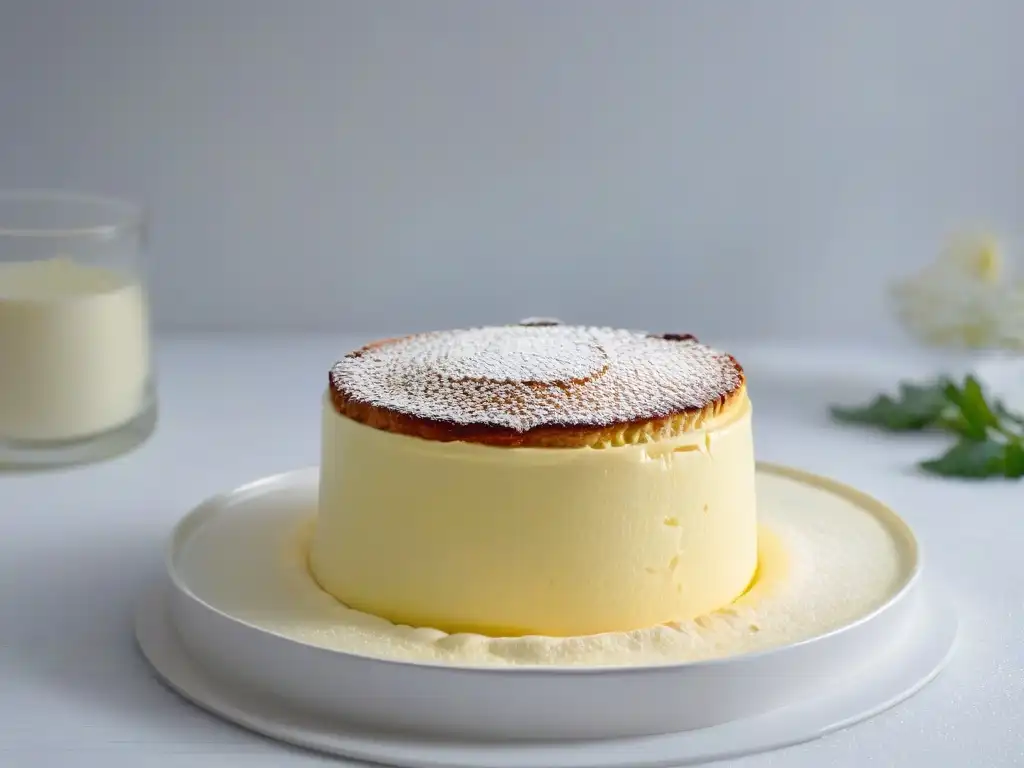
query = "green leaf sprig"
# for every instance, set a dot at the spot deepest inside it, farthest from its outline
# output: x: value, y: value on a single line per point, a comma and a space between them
x: 989, y: 437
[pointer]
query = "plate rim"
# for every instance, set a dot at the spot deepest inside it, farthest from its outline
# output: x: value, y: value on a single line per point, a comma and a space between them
x: 154, y: 634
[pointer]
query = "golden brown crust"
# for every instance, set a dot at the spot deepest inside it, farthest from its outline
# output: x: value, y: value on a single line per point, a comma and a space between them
x: 599, y: 435
x: 553, y: 436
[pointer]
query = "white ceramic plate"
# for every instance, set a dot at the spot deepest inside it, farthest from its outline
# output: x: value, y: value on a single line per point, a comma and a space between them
x: 907, y: 667
x: 321, y: 694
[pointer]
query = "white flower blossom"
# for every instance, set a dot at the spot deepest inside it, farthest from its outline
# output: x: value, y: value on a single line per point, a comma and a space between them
x: 966, y: 298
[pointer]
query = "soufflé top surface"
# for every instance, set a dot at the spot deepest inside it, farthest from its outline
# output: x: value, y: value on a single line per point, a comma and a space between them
x: 529, y: 385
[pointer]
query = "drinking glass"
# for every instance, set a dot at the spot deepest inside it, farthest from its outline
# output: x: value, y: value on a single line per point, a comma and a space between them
x: 76, y: 374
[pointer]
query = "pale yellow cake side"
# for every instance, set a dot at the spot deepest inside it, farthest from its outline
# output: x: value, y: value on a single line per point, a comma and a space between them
x: 466, y: 537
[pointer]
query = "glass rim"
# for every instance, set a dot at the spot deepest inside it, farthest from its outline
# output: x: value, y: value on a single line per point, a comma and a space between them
x: 122, y: 215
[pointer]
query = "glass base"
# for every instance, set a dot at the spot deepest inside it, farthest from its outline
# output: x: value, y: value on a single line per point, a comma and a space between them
x: 26, y: 456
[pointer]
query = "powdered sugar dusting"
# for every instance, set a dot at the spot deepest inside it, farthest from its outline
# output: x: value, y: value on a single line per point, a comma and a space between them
x: 524, y: 377
x: 533, y: 355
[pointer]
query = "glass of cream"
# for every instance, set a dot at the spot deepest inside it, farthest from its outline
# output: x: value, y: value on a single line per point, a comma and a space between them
x: 76, y: 374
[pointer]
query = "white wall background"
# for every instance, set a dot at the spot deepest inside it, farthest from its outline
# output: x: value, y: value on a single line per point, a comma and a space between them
x: 735, y: 169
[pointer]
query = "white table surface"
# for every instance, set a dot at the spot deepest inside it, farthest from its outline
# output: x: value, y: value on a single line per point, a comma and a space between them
x: 77, y: 548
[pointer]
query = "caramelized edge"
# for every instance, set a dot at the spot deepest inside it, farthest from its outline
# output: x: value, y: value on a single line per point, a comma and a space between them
x: 608, y: 435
